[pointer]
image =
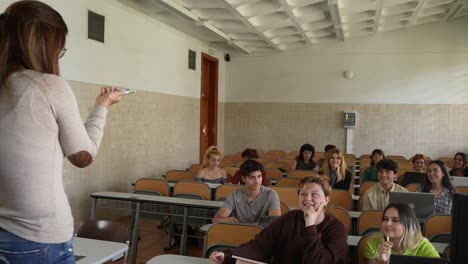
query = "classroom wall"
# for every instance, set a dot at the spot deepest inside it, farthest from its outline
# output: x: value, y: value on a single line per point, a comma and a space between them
x: 410, y: 92
x: 147, y: 133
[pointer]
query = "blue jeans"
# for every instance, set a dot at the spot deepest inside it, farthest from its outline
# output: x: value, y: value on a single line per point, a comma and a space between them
x: 14, y: 249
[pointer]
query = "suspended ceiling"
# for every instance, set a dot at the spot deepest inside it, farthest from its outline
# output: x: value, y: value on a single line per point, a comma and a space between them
x: 252, y: 26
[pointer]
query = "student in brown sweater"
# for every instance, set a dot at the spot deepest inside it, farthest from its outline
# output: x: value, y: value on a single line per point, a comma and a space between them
x: 308, y: 235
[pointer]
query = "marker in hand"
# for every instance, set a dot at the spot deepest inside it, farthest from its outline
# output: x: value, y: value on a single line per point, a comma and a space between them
x: 127, y: 91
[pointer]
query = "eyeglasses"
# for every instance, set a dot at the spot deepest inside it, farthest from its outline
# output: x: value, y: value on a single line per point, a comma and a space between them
x: 62, y: 53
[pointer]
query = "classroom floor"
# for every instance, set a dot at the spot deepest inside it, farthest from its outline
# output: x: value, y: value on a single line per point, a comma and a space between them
x: 153, y: 241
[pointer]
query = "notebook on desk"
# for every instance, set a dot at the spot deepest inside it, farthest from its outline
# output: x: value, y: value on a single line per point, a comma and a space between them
x: 421, y: 203
x: 241, y: 260
x: 401, y: 259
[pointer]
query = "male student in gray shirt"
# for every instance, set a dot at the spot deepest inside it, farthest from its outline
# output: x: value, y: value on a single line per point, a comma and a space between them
x: 249, y: 203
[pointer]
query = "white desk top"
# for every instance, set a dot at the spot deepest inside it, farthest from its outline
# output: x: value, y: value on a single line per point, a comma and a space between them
x: 97, y: 251
x: 177, y: 259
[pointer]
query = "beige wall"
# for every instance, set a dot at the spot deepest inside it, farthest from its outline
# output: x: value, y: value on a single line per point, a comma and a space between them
x: 145, y: 135
x: 435, y: 130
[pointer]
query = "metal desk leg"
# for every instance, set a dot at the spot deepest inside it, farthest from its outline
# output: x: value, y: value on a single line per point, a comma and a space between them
x: 93, y: 208
x: 183, y: 239
x: 134, y: 240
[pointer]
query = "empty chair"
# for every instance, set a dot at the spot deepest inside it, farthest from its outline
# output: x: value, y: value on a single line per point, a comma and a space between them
x: 105, y: 230
x: 285, y: 167
x: 294, y: 153
x: 223, y: 191
x: 341, y: 198
x: 231, y: 170
x: 342, y: 215
x: 287, y: 195
x: 301, y: 173
x: 290, y: 182
x: 289, y: 161
x: 227, y: 163
x: 179, y: 175
x: 369, y: 219
x: 194, y: 168
x: 233, y: 234
x: 273, y: 174
x: 234, y: 159
x: 263, y: 161
x: 151, y: 186
x: 194, y: 190
x: 364, y: 186
x: 437, y: 224
x: 278, y: 153
x: 284, y: 208
x: 412, y: 187
x: 362, y: 245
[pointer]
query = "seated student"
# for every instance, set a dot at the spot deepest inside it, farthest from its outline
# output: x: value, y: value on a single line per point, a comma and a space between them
x: 419, y: 163
x: 307, y: 235
x: 371, y: 173
x: 211, y: 172
x: 248, y: 204
x: 249, y: 154
x: 377, y: 196
x: 336, y: 170
x: 305, y: 159
x: 321, y: 161
x: 459, y: 165
x: 438, y: 182
x: 400, y: 235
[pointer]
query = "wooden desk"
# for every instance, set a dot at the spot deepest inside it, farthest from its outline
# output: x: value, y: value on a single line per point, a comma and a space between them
x: 132, y: 201
x: 97, y: 251
x: 177, y: 259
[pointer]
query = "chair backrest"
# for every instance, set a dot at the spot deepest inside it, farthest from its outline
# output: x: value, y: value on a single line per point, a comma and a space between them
x: 192, y: 188
x: 274, y: 174
x: 152, y: 185
x: 362, y: 172
x: 362, y: 245
x: 289, y: 161
x: 412, y: 187
x: 287, y: 195
x: 364, y: 186
x: 462, y: 189
x: 447, y: 160
x: 296, y: 153
x: 263, y: 161
x: 291, y: 157
x: 341, y: 198
x: 104, y: 230
x: 234, y: 159
x: 290, y: 182
x: 270, y: 157
x: 342, y: 215
x: 301, y: 173
x: 195, y: 168
x: 223, y: 191
x: 284, y: 208
x: 230, y: 234
x: 369, y: 219
x: 278, y: 153
x: 226, y: 163
x: 179, y: 175
x: 279, y: 165
x: 231, y: 170
x: 437, y: 224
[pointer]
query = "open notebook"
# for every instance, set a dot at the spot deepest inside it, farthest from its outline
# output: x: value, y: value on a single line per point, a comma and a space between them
x: 241, y: 260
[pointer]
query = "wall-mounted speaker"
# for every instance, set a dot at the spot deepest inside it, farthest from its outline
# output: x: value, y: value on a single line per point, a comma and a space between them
x: 227, y: 57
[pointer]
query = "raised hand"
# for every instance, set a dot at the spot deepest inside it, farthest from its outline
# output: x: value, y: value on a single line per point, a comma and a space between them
x: 109, y: 96
x: 217, y: 257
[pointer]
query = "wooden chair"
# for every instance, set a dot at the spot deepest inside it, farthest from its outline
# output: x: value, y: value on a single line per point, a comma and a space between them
x: 230, y: 234
x: 462, y: 189
x: 279, y: 165
x: 437, y: 224
x: 231, y: 170
x: 278, y: 153
x: 295, y: 153
x: 342, y: 215
x: 365, y: 186
x: 290, y: 157
x: 362, y: 172
x: 362, y: 245
x: 270, y: 157
x: 447, y: 160
x: 263, y: 161
x: 226, y: 163
x: 341, y: 198
x: 179, y: 175
x: 287, y: 195
x: 284, y: 208
x: 152, y: 186
x: 369, y: 219
x: 289, y: 161
x: 289, y: 182
x: 301, y: 173
x: 223, y: 191
x: 195, y: 168
x: 192, y: 188
x: 413, y: 187
x: 274, y: 174
x: 396, y: 158
x: 105, y: 230
x: 234, y: 159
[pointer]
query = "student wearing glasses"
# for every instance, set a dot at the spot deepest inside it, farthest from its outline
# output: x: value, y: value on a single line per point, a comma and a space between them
x: 253, y: 200
x: 40, y: 124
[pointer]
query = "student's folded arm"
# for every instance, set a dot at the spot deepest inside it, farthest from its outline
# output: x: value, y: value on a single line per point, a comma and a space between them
x: 223, y: 215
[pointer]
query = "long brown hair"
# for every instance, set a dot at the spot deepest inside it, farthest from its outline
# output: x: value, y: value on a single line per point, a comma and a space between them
x: 32, y: 36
